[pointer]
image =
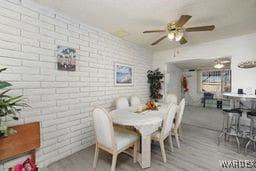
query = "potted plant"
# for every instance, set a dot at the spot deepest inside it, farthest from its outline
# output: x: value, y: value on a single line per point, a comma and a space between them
x: 155, y: 79
x: 10, y: 106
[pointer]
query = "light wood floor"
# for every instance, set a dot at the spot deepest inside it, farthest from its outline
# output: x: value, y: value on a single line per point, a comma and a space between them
x: 210, y: 118
x: 199, y: 152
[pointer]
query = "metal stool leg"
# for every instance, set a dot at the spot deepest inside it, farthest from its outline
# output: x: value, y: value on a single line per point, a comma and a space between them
x: 252, y: 134
x: 222, y: 131
x: 238, y: 144
x: 225, y: 138
x: 219, y: 137
x: 254, y: 146
x: 246, y: 147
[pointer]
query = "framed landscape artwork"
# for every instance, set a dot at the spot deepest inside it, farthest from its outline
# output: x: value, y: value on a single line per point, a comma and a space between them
x: 123, y: 75
x: 66, y: 58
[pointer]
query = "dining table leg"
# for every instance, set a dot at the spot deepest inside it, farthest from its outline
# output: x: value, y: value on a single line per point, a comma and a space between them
x: 145, y: 156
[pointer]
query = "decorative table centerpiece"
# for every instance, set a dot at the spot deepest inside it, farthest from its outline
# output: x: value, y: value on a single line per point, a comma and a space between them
x: 150, y: 105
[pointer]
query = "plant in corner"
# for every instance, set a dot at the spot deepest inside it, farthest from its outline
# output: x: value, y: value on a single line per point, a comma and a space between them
x: 10, y: 106
x: 155, y: 79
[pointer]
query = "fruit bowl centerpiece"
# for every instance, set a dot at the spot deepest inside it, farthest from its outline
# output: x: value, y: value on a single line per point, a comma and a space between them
x: 151, y: 105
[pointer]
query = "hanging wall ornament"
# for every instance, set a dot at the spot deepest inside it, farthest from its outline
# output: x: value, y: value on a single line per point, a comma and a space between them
x: 247, y: 64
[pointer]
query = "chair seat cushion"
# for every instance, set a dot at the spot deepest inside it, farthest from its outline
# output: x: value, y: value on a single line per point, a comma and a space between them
x: 124, y: 137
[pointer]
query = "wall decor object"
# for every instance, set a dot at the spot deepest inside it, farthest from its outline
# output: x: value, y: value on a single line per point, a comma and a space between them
x: 247, y: 64
x: 123, y: 75
x: 66, y: 58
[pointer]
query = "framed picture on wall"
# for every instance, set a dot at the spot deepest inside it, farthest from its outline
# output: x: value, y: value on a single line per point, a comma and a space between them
x: 66, y: 58
x: 123, y: 75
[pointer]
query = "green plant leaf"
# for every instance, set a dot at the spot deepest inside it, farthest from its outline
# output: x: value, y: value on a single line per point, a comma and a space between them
x: 4, y: 92
x: 3, y: 69
x: 13, y: 100
x: 15, y: 118
x: 155, y: 79
x: 4, y: 84
x: 10, y: 106
x: 3, y: 128
x: 12, y: 131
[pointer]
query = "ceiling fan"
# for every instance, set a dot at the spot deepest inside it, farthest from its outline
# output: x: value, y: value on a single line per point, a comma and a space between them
x: 175, y: 30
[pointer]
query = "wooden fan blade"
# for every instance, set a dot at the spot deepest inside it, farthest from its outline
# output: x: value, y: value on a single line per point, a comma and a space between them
x: 159, y: 40
x: 183, y: 19
x: 153, y: 31
x: 225, y: 62
x: 183, y: 41
x: 201, y: 28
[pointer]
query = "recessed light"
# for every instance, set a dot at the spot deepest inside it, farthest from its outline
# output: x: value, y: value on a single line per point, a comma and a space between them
x: 121, y: 33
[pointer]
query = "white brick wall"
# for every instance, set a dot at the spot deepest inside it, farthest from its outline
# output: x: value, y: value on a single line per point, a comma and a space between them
x: 63, y: 101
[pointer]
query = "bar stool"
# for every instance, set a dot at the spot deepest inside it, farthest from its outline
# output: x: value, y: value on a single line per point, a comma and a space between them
x: 230, y: 126
x: 252, y: 136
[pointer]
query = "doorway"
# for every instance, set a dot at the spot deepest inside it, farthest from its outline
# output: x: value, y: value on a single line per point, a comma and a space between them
x: 207, y: 80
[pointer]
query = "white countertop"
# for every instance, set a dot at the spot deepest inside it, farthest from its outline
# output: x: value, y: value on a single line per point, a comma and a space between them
x: 235, y: 95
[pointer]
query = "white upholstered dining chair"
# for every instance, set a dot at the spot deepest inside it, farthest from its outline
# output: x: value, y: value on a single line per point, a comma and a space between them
x: 171, y: 98
x: 112, y: 140
x: 122, y: 103
x: 135, y: 101
x: 176, y: 130
x: 165, y: 131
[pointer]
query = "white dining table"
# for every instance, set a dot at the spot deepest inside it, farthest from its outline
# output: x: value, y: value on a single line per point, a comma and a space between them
x: 146, y: 123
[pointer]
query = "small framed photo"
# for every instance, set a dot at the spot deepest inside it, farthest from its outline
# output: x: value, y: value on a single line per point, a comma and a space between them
x: 66, y: 58
x: 123, y: 75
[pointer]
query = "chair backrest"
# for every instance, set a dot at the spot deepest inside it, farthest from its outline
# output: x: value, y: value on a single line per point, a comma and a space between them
x: 180, y: 112
x: 122, y: 103
x: 135, y: 101
x: 168, y: 120
x: 171, y: 98
x: 103, y: 126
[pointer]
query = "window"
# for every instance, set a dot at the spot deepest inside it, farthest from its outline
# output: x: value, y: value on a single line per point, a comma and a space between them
x: 216, y: 81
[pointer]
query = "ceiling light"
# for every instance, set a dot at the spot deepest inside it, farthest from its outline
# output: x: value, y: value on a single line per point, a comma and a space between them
x: 121, y: 33
x: 218, y: 65
x: 171, y: 36
x: 178, y: 36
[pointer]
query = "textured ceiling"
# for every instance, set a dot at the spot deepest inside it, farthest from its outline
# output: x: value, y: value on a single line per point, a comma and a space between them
x: 200, y: 63
x: 231, y: 17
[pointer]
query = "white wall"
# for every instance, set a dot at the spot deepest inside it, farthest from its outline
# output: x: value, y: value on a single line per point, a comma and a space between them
x: 239, y: 48
x: 173, y: 85
x: 63, y: 101
x: 193, y: 96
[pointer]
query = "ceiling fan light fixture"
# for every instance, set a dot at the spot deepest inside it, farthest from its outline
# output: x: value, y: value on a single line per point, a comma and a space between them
x: 171, y: 36
x: 175, y: 30
x: 178, y: 36
x: 121, y: 33
x: 218, y: 65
